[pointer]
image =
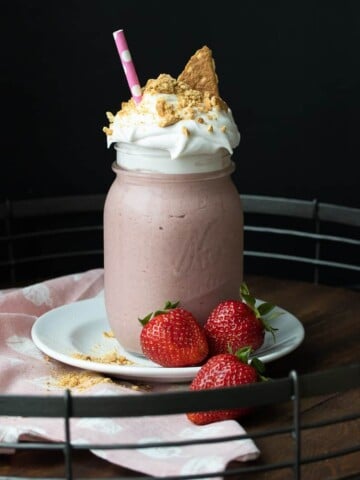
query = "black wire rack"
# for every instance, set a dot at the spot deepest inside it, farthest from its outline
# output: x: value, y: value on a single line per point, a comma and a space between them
x: 309, y: 240
x: 292, y: 388
x: 64, y: 234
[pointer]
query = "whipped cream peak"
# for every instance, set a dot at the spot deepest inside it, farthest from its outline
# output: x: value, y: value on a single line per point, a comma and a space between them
x: 176, y: 118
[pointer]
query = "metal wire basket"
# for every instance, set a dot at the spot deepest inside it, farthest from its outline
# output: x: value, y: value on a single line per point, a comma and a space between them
x: 290, y: 389
x: 318, y: 241
x: 64, y: 235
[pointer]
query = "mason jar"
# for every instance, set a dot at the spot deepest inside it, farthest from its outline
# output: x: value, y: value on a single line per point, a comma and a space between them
x: 174, y: 236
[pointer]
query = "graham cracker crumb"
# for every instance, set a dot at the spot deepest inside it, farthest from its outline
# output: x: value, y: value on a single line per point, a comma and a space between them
x: 207, y: 102
x: 185, y: 131
x: 168, y: 120
x: 142, y: 387
x: 200, y: 120
x: 110, y: 117
x: 189, y: 113
x: 199, y: 72
x: 110, y: 357
x: 80, y: 380
x: 160, y: 107
x: 163, y: 84
x: 109, y: 334
x: 223, y: 128
x: 107, y: 130
x: 210, y: 129
x: 83, y: 379
x: 218, y: 103
x: 166, y: 110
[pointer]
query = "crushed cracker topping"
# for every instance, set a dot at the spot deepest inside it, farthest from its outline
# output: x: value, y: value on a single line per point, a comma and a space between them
x: 110, y: 357
x: 223, y: 128
x: 110, y: 117
x: 185, y: 131
x: 109, y: 334
x: 107, y: 130
x: 196, y: 91
x: 199, y: 72
x: 210, y: 128
x: 189, y: 104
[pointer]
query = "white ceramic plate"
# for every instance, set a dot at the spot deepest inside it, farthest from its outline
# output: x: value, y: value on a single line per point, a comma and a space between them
x: 79, y: 328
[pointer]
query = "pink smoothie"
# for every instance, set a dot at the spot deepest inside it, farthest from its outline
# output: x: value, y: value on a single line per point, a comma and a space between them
x: 170, y: 237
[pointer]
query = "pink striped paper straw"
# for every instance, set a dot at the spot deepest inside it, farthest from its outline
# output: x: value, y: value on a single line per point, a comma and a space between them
x: 128, y: 65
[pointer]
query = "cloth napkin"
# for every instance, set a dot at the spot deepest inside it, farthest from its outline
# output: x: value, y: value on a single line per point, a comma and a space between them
x: 26, y: 370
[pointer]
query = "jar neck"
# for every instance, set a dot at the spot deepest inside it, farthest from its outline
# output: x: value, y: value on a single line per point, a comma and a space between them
x: 156, y: 177
x: 142, y: 159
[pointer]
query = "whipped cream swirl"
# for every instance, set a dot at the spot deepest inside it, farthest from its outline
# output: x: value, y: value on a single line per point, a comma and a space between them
x: 206, y: 133
x: 181, y: 122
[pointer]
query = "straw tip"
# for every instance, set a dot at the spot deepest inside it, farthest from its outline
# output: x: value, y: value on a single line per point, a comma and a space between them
x: 117, y: 32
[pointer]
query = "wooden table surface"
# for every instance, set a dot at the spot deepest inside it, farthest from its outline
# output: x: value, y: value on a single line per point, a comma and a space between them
x: 331, y: 317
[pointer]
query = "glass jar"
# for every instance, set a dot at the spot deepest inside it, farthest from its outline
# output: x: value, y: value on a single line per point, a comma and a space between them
x: 170, y: 236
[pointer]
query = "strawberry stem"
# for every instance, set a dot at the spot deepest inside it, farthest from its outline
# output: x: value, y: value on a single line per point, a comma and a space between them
x: 167, y: 307
x: 243, y: 354
x: 258, y: 365
x: 263, y: 309
x: 146, y: 319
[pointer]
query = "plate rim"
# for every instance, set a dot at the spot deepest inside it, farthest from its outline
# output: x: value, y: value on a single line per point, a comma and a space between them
x: 151, y: 372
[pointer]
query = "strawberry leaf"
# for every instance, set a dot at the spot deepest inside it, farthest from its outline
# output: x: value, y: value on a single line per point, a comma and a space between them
x: 244, y: 290
x: 273, y: 315
x: 258, y: 365
x: 146, y: 319
x: 243, y: 354
x: 269, y: 328
x: 249, y: 299
x: 262, y: 378
x: 265, y: 308
x: 168, y: 306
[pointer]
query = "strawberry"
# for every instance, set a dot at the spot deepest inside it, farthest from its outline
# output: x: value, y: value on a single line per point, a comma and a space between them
x: 235, y: 324
x: 225, y: 370
x: 172, y: 337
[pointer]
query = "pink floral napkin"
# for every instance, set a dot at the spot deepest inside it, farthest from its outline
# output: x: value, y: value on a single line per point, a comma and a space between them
x: 25, y: 370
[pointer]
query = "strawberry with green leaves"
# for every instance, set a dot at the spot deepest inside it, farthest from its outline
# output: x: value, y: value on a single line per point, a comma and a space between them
x: 238, y: 323
x: 226, y: 370
x: 172, y: 337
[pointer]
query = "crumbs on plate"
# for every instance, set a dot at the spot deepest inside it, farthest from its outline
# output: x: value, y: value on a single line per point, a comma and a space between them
x: 109, y: 334
x: 112, y: 357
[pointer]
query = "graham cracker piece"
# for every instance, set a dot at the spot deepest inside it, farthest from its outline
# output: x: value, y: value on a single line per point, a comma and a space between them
x: 199, y: 72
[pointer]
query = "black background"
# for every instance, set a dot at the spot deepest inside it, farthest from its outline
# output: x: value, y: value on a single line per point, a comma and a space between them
x: 289, y: 70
